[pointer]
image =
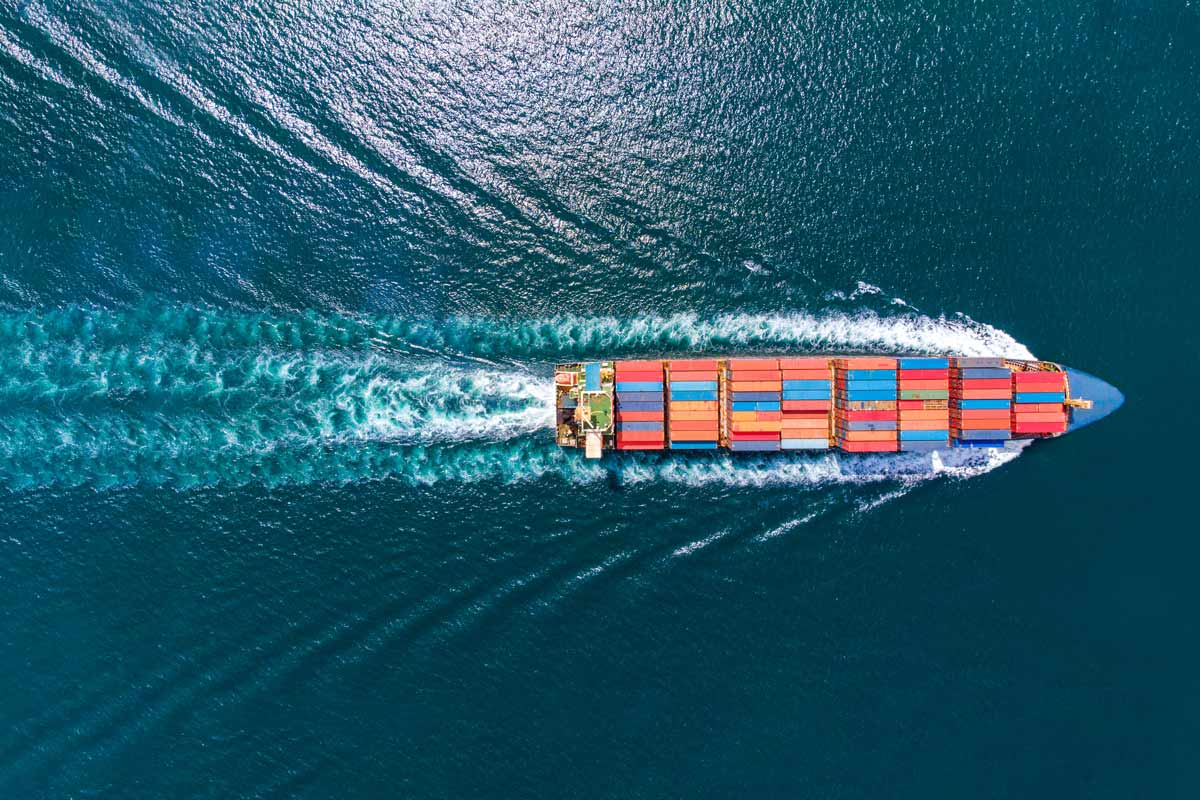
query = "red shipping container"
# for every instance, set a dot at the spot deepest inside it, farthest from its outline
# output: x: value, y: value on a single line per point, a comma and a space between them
x: 623, y: 377
x: 979, y: 413
x: 1039, y: 407
x: 806, y: 405
x: 623, y: 445
x: 753, y: 363
x: 910, y: 405
x: 982, y: 383
x: 755, y: 375
x: 984, y: 394
x: 692, y: 425
x: 682, y: 375
x: 638, y: 366
x: 694, y: 436
x: 804, y: 374
x: 694, y: 365
x: 981, y: 424
x: 925, y: 374
x: 1048, y: 378
x: 1040, y: 416
x: 1040, y: 427
x: 867, y: 416
x: 638, y: 416
x: 869, y: 447
x: 804, y: 363
x: 754, y: 437
x: 641, y: 436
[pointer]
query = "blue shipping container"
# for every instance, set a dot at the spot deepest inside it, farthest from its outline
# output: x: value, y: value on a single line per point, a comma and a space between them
x: 803, y: 444
x: 924, y: 436
x: 868, y: 425
x: 989, y: 444
x: 807, y: 386
x: 922, y: 447
x: 924, y: 363
x: 823, y: 394
x: 980, y: 404
x: 1040, y: 397
x: 984, y: 372
x: 639, y: 386
x: 693, y: 386
x: 868, y: 374
x: 642, y: 406
x: 754, y: 447
x: 686, y: 396
x: 744, y: 396
x: 865, y: 384
x: 868, y: 394
x: 637, y: 397
x: 990, y: 435
x: 693, y: 445
x: 650, y: 425
x: 766, y: 406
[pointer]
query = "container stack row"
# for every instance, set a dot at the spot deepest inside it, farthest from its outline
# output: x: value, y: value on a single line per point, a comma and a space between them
x: 865, y: 398
x: 807, y: 403
x: 692, y: 410
x: 639, y: 405
x: 980, y: 402
x: 754, y: 396
x: 1039, y: 400
x: 924, y: 403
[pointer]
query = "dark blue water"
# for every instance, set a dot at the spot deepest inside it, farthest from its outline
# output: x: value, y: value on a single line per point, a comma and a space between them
x: 281, y: 287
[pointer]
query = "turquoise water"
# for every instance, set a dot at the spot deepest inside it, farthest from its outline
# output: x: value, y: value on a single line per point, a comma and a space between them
x: 281, y: 289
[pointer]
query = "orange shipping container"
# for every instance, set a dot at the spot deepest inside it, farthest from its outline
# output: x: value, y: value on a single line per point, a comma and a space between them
x: 804, y: 363
x: 694, y: 436
x: 931, y: 413
x: 711, y: 416
x: 925, y: 424
x: 867, y: 436
x: 805, y: 374
x: 866, y: 362
x: 691, y: 425
x: 755, y: 386
x: 756, y: 426
x: 693, y: 405
x: 681, y: 375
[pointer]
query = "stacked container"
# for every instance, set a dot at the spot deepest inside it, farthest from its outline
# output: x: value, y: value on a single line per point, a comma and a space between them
x: 865, y: 397
x: 980, y: 402
x: 639, y: 405
x: 807, y: 403
x: 1039, y: 402
x: 755, y: 391
x: 692, y: 411
x: 924, y: 403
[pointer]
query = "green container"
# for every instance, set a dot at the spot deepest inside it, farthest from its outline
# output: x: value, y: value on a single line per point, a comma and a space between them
x: 924, y: 394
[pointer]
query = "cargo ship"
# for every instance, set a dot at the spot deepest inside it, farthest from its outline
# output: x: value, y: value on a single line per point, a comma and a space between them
x: 847, y: 403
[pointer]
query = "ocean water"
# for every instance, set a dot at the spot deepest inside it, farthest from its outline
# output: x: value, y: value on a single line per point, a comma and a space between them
x: 281, y: 288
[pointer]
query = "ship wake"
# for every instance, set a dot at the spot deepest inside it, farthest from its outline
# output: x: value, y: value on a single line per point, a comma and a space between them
x: 189, y: 397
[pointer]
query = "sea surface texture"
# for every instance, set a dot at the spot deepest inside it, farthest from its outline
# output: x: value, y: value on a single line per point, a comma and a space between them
x: 281, y: 290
